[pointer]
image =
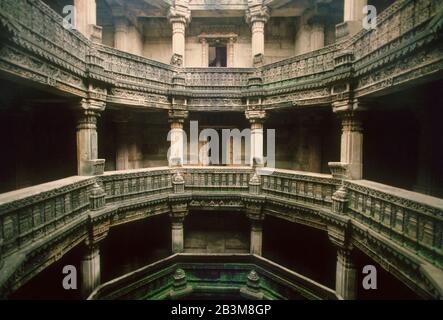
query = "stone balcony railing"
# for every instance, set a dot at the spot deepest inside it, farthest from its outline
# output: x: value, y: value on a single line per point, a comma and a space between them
x: 39, y: 49
x: 230, y: 79
x: 181, y: 275
x: 31, y: 214
x: 399, y: 19
x: 412, y: 220
x: 401, y: 230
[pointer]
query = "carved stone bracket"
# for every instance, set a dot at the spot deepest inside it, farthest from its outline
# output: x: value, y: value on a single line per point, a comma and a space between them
x: 254, y: 208
x: 179, y: 207
x: 340, y: 234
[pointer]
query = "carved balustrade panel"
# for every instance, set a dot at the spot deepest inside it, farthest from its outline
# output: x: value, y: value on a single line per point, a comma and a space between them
x: 131, y: 71
x: 121, y: 186
x: 316, y: 189
x: 208, y: 179
x: 410, y: 219
x: 30, y: 214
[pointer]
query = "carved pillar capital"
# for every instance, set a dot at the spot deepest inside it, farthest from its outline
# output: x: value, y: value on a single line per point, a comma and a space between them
x: 179, y: 13
x: 179, y: 16
x: 256, y: 116
x: 257, y: 12
x: 177, y: 117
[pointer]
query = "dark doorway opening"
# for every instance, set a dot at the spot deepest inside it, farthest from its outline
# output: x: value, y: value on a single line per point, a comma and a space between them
x: 217, y: 55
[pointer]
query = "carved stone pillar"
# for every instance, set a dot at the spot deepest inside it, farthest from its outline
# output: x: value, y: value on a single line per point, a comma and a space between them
x: 177, y: 137
x: 256, y: 118
x: 353, y: 10
x: 230, y: 49
x: 178, y: 213
x: 255, y: 214
x: 351, y: 154
x: 352, y: 145
x: 179, y: 16
x: 121, y: 29
x: 87, y: 145
x: 90, y: 270
x: 317, y: 35
x: 98, y: 228
x: 352, y: 18
x: 346, y: 275
x: 257, y: 15
x: 205, y: 59
x: 86, y: 19
x: 340, y: 236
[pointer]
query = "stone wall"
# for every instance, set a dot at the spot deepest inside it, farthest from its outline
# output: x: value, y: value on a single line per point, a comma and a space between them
x: 216, y: 232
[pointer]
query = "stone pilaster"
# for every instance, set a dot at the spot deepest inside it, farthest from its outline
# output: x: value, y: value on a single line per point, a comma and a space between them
x: 86, y: 19
x: 256, y: 118
x: 340, y: 236
x: 351, y: 153
x: 87, y: 145
x: 254, y: 211
x: 179, y: 16
x: 90, y: 270
x: 177, y: 137
x: 230, y: 50
x: 346, y: 275
x: 179, y: 210
x: 257, y: 15
x: 205, y: 48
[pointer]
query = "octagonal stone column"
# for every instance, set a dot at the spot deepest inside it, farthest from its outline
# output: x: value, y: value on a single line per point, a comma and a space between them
x: 98, y: 228
x: 353, y: 10
x: 121, y: 29
x: 256, y: 118
x: 257, y: 15
x: 179, y: 210
x: 87, y: 144
x: 352, y: 18
x: 179, y: 16
x: 177, y: 136
x: 346, y: 275
x: 254, y: 211
x: 90, y: 270
x: 86, y: 19
x: 351, y: 147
